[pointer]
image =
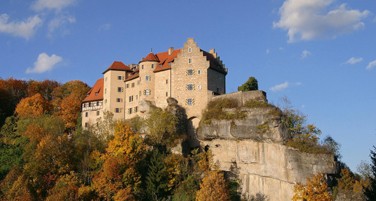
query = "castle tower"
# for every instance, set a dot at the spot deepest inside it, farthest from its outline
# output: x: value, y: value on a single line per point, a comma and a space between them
x: 147, y: 79
x: 114, y: 89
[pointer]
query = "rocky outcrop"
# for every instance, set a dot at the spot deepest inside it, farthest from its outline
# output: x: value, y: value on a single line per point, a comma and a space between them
x: 253, y: 149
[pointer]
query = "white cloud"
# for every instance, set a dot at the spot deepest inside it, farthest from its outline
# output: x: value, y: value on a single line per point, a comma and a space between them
x: 57, y: 5
x: 371, y: 65
x: 280, y: 87
x: 44, y: 63
x: 311, y: 19
x: 105, y: 27
x: 305, y: 54
x: 354, y: 60
x: 58, y: 22
x: 24, y: 29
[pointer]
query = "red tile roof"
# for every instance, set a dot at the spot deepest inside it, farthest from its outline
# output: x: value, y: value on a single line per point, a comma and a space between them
x: 132, y: 76
x: 165, y: 59
x: 95, y: 93
x: 150, y: 57
x: 119, y: 66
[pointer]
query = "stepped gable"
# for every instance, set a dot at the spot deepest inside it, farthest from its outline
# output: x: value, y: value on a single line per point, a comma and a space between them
x: 150, y: 57
x: 119, y: 66
x: 165, y: 59
x: 215, y: 63
x: 96, y: 92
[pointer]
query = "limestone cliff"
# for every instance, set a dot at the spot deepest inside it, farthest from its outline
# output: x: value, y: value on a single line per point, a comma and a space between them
x: 252, y: 148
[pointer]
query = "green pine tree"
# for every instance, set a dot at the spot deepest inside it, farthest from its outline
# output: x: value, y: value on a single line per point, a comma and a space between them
x: 157, y: 178
x: 370, y: 192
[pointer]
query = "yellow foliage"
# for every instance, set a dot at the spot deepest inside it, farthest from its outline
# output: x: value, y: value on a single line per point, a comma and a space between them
x: 213, y: 188
x: 316, y: 189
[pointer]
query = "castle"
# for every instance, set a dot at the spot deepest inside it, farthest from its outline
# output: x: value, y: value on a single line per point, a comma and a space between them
x: 190, y: 75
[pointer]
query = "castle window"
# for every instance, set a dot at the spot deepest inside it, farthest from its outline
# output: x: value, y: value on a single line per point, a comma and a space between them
x: 190, y: 72
x: 148, y: 78
x: 166, y: 94
x: 135, y: 109
x: 120, y: 77
x: 117, y: 110
x: 189, y: 101
x: 132, y: 84
x: 130, y: 111
x: 130, y: 98
x: 142, y: 66
x: 190, y: 87
x: 147, y: 92
x: 119, y: 100
x: 166, y: 81
x: 98, y: 112
x: 152, y: 66
x: 189, y: 61
x: 120, y: 89
x: 86, y: 125
x: 86, y: 114
x: 189, y: 49
x: 127, y: 85
x: 199, y: 72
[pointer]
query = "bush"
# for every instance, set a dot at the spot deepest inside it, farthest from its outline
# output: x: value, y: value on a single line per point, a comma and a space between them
x: 251, y: 84
x: 215, y: 110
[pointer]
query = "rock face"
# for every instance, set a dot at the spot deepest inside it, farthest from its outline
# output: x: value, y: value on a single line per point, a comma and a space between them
x: 253, y: 149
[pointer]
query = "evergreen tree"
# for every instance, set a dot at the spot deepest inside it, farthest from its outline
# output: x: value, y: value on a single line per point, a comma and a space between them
x: 370, y: 192
x: 157, y: 178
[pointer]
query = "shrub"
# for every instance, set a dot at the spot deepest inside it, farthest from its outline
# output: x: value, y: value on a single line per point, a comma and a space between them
x: 215, y: 110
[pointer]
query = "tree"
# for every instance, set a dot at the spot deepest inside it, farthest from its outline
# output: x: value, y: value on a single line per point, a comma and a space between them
x: 213, y: 187
x: 157, y: 178
x: 315, y: 189
x: 250, y: 85
x: 370, y: 192
x: 33, y: 106
x: 120, y: 166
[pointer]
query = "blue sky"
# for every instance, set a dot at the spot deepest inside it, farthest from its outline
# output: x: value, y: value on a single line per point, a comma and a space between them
x: 320, y: 54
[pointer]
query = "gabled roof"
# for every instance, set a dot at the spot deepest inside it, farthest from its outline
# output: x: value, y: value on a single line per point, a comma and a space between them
x: 96, y: 92
x: 150, y: 57
x: 165, y: 59
x: 119, y: 66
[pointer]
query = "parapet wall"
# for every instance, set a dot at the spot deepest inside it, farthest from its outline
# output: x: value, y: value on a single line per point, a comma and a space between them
x: 244, y: 96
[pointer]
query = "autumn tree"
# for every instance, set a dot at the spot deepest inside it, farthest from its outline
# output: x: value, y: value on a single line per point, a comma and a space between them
x: 67, y: 101
x: 370, y: 192
x: 66, y: 188
x: 250, y: 85
x: 316, y: 188
x: 121, y: 159
x: 45, y: 88
x: 213, y: 187
x: 33, y: 106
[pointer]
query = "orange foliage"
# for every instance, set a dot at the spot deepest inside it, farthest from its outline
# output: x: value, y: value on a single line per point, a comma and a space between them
x: 213, y: 188
x: 33, y: 106
x: 315, y: 189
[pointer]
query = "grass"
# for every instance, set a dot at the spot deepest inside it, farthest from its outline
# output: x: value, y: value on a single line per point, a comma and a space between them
x: 215, y: 110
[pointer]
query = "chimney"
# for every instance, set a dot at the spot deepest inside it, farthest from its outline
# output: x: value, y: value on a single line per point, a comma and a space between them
x: 212, y: 52
x: 170, y: 50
